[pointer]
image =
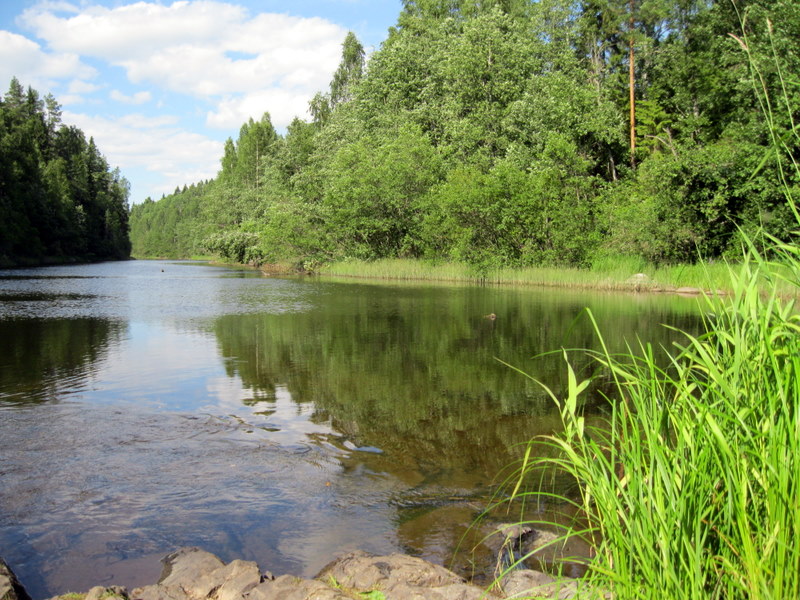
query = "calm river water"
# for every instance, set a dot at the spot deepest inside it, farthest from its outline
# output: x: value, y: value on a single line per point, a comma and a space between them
x: 150, y: 405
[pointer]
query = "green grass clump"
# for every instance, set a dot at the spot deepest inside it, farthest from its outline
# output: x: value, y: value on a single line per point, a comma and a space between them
x: 690, y: 486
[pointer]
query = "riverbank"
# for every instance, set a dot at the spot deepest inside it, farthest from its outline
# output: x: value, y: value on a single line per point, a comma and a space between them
x: 194, y: 574
x: 623, y: 274
x: 619, y: 274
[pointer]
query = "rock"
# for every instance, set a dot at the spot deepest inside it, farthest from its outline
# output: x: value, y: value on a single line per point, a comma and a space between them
x: 115, y: 592
x: 107, y: 593
x: 230, y: 582
x: 194, y: 574
x: 526, y: 583
x: 399, y: 577
x: 288, y: 587
x: 514, y: 532
x: 185, y: 565
x: 10, y: 587
x: 157, y: 592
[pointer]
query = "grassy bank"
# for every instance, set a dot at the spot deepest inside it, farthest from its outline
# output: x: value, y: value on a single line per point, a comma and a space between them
x: 613, y: 273
x: 690, y: 487
x: 201, y: 257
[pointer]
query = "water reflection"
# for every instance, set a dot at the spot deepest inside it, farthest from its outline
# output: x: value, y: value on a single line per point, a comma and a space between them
x: 145, y: 406
x: 40, y: 359
x: 414, y: 371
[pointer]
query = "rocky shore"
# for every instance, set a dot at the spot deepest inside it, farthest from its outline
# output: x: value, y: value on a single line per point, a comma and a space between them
x: 194, y: 574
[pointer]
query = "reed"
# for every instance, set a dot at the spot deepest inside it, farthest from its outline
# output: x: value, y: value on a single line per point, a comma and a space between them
x: 612, y: 273
x: 690, y: 487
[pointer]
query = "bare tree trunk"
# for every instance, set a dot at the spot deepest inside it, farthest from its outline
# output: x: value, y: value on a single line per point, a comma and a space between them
x: 631, y: 82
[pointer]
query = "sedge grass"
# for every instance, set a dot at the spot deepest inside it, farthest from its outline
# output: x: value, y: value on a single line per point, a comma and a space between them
x: 610, y: 274
x: 690, y: 488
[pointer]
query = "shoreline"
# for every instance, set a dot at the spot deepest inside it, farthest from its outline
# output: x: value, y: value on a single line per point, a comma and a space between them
x: 194, y: 574
x: 624, y: 276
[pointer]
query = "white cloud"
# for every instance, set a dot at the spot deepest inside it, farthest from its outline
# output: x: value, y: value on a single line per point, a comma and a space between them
x: 235, y: 63
x: 70, y: 99
x: 211, y: 50
x: 131, y: 30
x: 78, y: 86
x: 25, y: 59
x: 156, y: 144
x: 137, y: 98
x: 282, y: 105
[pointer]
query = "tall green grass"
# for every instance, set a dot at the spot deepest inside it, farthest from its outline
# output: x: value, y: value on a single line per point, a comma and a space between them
x: 609, y: 273
x: 690, y: 487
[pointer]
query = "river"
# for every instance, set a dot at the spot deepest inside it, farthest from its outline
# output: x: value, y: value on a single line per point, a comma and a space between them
x: 147, y: 405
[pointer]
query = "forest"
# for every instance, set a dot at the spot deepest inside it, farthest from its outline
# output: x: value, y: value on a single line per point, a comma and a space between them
x: 515, y: 133
x: 60, y: 201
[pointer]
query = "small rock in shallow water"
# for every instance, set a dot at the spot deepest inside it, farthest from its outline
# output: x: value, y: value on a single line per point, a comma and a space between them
x: 515, y: 531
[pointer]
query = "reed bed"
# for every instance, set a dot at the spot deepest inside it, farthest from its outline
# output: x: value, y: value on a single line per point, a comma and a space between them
x: 610, y: 273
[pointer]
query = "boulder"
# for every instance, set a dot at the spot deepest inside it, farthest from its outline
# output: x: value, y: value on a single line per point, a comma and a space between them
x: 10, y: 587
x: 399, y: 577
x: 526, y: 583
x: 194, y: 574
x: 230, y: 582
x: 288, y: 587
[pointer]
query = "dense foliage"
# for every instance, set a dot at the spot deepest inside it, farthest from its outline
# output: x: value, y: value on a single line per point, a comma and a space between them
x: 498, y: 133
x: 59, y: 199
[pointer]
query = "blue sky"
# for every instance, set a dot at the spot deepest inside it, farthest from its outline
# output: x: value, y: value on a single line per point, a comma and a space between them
x: 161, y: 84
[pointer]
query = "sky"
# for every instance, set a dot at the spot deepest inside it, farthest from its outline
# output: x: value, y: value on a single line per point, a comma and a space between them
x: 160, y: 85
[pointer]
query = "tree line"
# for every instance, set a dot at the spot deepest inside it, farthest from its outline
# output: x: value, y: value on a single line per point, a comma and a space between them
x: 516, y: 133
x: 59, y: 199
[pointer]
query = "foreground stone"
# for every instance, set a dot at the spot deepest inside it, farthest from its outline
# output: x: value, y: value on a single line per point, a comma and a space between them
x: 194, y: 574
x: 399, y: 576
x: 10, y: 587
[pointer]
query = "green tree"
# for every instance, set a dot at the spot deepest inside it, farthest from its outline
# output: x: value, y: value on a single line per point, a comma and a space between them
x: 373, y: 192
x: 344, y: 81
